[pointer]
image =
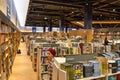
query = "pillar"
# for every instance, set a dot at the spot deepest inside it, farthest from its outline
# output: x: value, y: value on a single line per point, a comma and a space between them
x: 66, y: 29
x: 44, y: 29
x: 61, y: 23
x: 50, y: 24
x: 88, y: 15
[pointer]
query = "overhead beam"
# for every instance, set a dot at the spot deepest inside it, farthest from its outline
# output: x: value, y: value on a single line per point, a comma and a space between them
x: 37, y: 8
x: 107, y: 4
x: 48, y: 12
x: 98, y: 2
x: 81, y: 23
x: 107, y: 11
x: 113, y: 7
x: 39, y: 25
x: 100, y: 22
x: 43, y: 13
x: 104, y: 13
x: 107, y: 30
x: 34, y: 19
x: 56, y: 3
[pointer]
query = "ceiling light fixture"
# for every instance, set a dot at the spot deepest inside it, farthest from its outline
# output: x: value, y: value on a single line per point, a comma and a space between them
x: 80, y: 23
x: 113, y: 10
x: 86, y: 3
x: 45, y: 18
x: 72, y: 12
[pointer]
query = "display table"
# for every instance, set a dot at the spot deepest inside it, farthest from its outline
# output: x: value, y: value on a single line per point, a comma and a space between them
x: 89, y: 78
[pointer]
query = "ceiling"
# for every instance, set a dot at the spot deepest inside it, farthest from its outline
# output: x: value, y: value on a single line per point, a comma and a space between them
x: 42, y: 12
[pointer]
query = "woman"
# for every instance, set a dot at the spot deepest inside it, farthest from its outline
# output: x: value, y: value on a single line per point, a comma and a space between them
x: 50, y: 55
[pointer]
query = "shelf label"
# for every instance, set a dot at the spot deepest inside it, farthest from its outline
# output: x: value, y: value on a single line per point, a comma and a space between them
x: 51, y: 45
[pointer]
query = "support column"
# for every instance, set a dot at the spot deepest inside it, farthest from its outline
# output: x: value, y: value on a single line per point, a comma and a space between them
x: 61, y: 23
x: 66, y: 29
x: 44, y: 29
x: 88, y: 15
x: 50, y: 25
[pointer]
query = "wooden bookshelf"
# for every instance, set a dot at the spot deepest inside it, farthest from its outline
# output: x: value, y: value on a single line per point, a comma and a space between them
x: 9, y: 42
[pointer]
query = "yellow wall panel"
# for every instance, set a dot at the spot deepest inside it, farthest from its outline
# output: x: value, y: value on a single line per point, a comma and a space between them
x: 85, y: 32
x: 89, y: 35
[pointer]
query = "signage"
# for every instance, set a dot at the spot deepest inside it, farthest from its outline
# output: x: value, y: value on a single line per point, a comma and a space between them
x: 78, y: 58
x: 33, y: 29
x: 51, y: 45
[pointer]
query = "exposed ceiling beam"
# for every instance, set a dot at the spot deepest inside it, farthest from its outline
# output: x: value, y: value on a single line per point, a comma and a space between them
x: 38, y: 24
x: 43, y: 13
x: 56, y: 3
x: 48, y: 10
x: 106, y: 11
x: 107, y: 4
x: 98, y: 2
x: 34, y: 19
x: 37, y: 21
x: 110, y: 11
x: 36, y: 8
x: 112, y: 7
x: 100, y: 22
x: 81, y: 23
x: 39, y: 10
x: 107, y: 30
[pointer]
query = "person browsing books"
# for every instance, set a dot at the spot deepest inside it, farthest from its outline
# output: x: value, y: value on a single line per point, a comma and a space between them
x: 50, y: 55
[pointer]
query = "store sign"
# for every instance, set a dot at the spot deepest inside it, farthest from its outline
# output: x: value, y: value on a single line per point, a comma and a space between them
x: 69, y: 29
x: 48, y: 28
x: 33, y: 29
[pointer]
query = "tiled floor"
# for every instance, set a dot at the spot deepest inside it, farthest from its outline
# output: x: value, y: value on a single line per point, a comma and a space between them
x: 22, y: 67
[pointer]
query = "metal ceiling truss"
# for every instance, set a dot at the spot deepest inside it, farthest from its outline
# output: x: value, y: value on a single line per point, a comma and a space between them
x: 72, y: 10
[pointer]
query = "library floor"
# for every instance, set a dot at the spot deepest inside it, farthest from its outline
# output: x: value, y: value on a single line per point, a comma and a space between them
x: 22, y: 67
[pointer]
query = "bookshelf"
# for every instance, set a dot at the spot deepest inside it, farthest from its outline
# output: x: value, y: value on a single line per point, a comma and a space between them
x: 103, y: 76
x: 31, y: 48
x: 33, y: 52
x: 42, y: 72
x: 34, y: 56
x: 9, y: 42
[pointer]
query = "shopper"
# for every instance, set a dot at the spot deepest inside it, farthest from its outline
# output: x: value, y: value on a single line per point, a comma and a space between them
x: 50, y: 55
x: 23, y: 38
x: 106, y: 43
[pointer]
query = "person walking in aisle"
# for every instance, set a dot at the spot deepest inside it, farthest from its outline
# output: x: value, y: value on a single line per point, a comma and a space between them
x: 50, y: 55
